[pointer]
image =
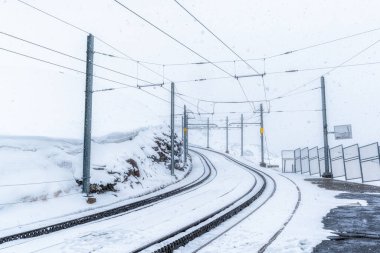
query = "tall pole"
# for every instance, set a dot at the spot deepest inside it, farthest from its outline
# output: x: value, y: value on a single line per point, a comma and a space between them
x: 241, y: 141
x: 327, y: 172
x: 182, y: 127
x: 208, y: 132
x: 227, y: 135
x: 88, y: 115
x: 262, y: 163
x: 172, y: 130
x: 185, y: 133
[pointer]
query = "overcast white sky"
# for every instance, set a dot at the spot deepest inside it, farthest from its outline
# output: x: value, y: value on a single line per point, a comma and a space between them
x: 38, y: 99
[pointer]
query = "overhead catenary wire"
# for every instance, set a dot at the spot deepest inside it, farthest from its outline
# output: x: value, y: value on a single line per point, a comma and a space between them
x: 207, y: 62
x: 77, y: 58
x: 97, y: 38
x: 181, y: 43
x: 291, y: 71
x: 332, y: 69
x: 271, y: 56
x: 72, y: 57
x: 229, y: 48
x: 217, y: 37
x: 84, y: 31
x: 288, y: 52
x: 170, y: 36
x: 82, y: 72
x: 323, y: 43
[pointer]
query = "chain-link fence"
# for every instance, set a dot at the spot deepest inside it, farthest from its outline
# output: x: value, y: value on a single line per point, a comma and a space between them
x: 349, y: 163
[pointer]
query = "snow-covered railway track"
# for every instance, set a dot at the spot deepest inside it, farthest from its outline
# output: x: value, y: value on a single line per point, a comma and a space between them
x: 113, y: 212
x: 184, y: 235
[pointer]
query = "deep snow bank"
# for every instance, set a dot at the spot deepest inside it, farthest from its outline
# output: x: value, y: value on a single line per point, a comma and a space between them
x: 37, y: 168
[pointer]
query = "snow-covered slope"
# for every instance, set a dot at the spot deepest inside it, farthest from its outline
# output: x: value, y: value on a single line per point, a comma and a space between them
x: 38, y: 172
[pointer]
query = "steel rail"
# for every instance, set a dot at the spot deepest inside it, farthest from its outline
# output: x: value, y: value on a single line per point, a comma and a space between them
x: 104, y: 214
x: 207, y: 223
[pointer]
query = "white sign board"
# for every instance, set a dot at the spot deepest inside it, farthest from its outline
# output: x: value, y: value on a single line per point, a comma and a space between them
x: 343, y: 132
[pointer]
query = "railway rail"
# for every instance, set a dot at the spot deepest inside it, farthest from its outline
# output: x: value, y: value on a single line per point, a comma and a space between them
x: 170, y: 242
x: 105, y: 214
x: 259, y: 191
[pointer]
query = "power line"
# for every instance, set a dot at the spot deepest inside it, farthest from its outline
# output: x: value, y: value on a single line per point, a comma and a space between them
x: 323, y: 43
x: 272, y: 56
x: 72, y: 57
x: 44, y: 61
x: 213, y: 34
x: 170, y: 36
x: 321, y: 68
x: 228, y: 47
x: 81, y: 72
x: 54, y: 17
x: 208, y: 62
x: 84, y: 31
x: 294, y: 94
x: 333, y: 69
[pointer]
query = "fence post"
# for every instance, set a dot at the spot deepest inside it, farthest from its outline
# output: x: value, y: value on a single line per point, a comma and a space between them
x: 344, y: 163
x: 294, y: 161
x: 327, y: 173
x: 88, y: 115
x: 227, y: 135
x: 319, y: 165
x: 172, y: 162
x: 360, y: 164
x: 241, y: 124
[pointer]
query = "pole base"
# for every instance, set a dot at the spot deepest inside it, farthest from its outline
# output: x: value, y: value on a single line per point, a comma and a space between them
x: 327, y: 175
x: 91, y: 200
x: 262, y: 164
x: 227, y: 152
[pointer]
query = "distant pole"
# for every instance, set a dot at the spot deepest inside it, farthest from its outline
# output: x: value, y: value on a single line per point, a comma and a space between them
x: 262, y: 164
x: 327, y: 173
x: 241, y: 141
x: 172, y: 130
x: 208, y: 132
x: 227, y: 135
x: 88, y: 115
x: 185, y: 133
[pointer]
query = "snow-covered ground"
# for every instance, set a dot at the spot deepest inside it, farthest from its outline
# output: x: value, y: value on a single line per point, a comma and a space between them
x: 127, y: 232
x: 41, y: 173
x: 302, y: 233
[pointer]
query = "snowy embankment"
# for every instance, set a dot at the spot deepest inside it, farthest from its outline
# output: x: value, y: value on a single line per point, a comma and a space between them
x: 38, y: 174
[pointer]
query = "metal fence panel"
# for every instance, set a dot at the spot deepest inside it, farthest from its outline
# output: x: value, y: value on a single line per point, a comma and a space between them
x: 287, y: 161
x: 352, y: 162
x: 297, y: 158
x: 337, y: 161
x: 370, y: 162
x: 321, y: 155
x: 305, y: 165
x: 314, y: 161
